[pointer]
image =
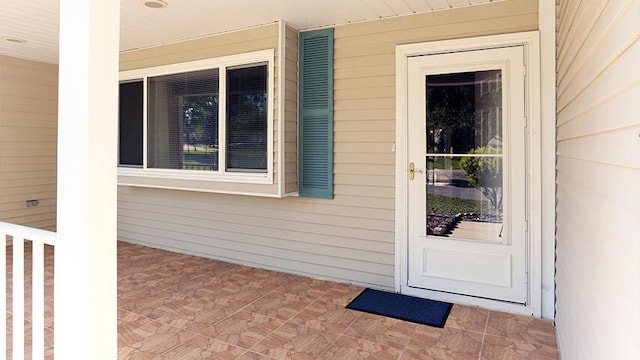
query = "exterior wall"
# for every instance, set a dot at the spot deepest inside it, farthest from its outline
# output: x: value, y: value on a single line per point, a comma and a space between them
x: 598, y: 173
x: 351, y: 237
x: 28, y: 141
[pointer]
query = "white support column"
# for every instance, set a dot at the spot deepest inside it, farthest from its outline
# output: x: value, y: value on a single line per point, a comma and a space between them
x: 85, y: 253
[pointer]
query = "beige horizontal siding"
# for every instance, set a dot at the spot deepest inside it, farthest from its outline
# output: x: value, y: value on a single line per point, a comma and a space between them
x: 349, y: 238
x: 598, y: 173
x: 264, y: 37
x: 327, y: 241
x: 28, y: 136
x: 365, y: 153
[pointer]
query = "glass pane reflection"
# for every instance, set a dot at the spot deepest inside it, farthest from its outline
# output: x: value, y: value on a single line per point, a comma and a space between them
x: 464, y: 155
x: 464, y: 111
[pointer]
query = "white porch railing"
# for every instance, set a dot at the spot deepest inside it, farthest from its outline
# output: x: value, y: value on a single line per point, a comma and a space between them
x: 38, y: 239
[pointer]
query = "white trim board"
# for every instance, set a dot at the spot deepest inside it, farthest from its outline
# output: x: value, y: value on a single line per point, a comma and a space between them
x: 547, y: 26
x: 534, y: 266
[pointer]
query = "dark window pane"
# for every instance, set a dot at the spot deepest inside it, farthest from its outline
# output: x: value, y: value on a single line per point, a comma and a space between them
x: 464, y: 111
x: 247, y: 118
x: 182, y: 121
x: 130, y: 124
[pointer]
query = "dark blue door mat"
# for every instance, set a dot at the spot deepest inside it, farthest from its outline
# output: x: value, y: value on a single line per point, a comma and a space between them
x: 403, y: 307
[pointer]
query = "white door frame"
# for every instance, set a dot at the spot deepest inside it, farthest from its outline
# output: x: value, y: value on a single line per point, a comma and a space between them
x: 534, y: 266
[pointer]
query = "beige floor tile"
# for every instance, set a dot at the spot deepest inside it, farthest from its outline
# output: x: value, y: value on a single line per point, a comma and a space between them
x: 207, y: 313
x: 495, y: 347
x: 132, y: 298
x: 327, y: 316
x: 199, y: 286
x: 181, y: 264
x: 467, y: 318
x: 382, y: 330
x: 342, y: 294
x: 219, y: 268
x: 128, y: 323
x: 279, y: 305
x: 249, y: 355
x: 292, y: 341
x: 151, y: 338
x: 243, y: 328
x: 348, y: 348
x: 520, y: 327
x: 134, y: 280
x: 257, y: 278
x: 200, y: 348
x: 435, y: 343
x: 129, y: 353
x: 238, y: 292
x: 167, y: 307
x: 174, y: 306
x: 304, y: 287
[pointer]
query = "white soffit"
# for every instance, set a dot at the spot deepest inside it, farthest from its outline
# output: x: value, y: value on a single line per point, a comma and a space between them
x: 36, y: 21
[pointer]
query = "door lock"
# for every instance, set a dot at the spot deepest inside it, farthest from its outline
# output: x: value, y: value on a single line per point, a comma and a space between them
x: 413, y: 171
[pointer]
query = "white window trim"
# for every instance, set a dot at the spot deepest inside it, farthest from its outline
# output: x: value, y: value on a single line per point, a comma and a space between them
x: 262, y: 56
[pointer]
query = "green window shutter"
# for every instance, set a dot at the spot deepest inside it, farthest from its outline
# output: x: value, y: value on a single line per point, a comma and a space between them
x: 315, y: 159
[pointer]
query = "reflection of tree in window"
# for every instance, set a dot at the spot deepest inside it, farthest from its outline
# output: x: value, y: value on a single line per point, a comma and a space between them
x: 485, y: 174
x: 450, y: 111
x: 200, y: 131
x: 199, y: 126
x: 463, y: 111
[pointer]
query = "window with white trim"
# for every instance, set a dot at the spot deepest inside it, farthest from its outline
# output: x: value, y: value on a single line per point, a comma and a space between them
x: 209, y: 119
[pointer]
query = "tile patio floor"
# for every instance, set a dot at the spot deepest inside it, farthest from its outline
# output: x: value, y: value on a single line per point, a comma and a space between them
x: 174, y: 306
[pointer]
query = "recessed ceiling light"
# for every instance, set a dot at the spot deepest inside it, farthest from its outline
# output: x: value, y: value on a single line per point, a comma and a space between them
x: 15, y: 40
x: 154, y: 4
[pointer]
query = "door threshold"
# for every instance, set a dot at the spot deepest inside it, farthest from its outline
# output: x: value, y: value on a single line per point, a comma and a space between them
x: 491, y: 304
x: 467, y: 295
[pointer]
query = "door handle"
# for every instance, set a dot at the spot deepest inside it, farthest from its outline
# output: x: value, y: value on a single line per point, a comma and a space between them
x: 413, y: 171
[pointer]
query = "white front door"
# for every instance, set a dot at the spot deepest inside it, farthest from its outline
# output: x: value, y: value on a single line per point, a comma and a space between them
x: 467, y: 224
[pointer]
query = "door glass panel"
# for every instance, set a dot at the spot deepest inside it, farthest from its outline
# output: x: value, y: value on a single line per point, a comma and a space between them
x: 464, y: 155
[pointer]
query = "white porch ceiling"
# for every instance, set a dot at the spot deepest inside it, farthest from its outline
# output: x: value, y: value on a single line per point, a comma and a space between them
x: 36, y: 21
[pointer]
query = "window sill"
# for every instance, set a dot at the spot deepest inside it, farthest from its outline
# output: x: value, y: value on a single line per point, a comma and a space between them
x: 190, y: 175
